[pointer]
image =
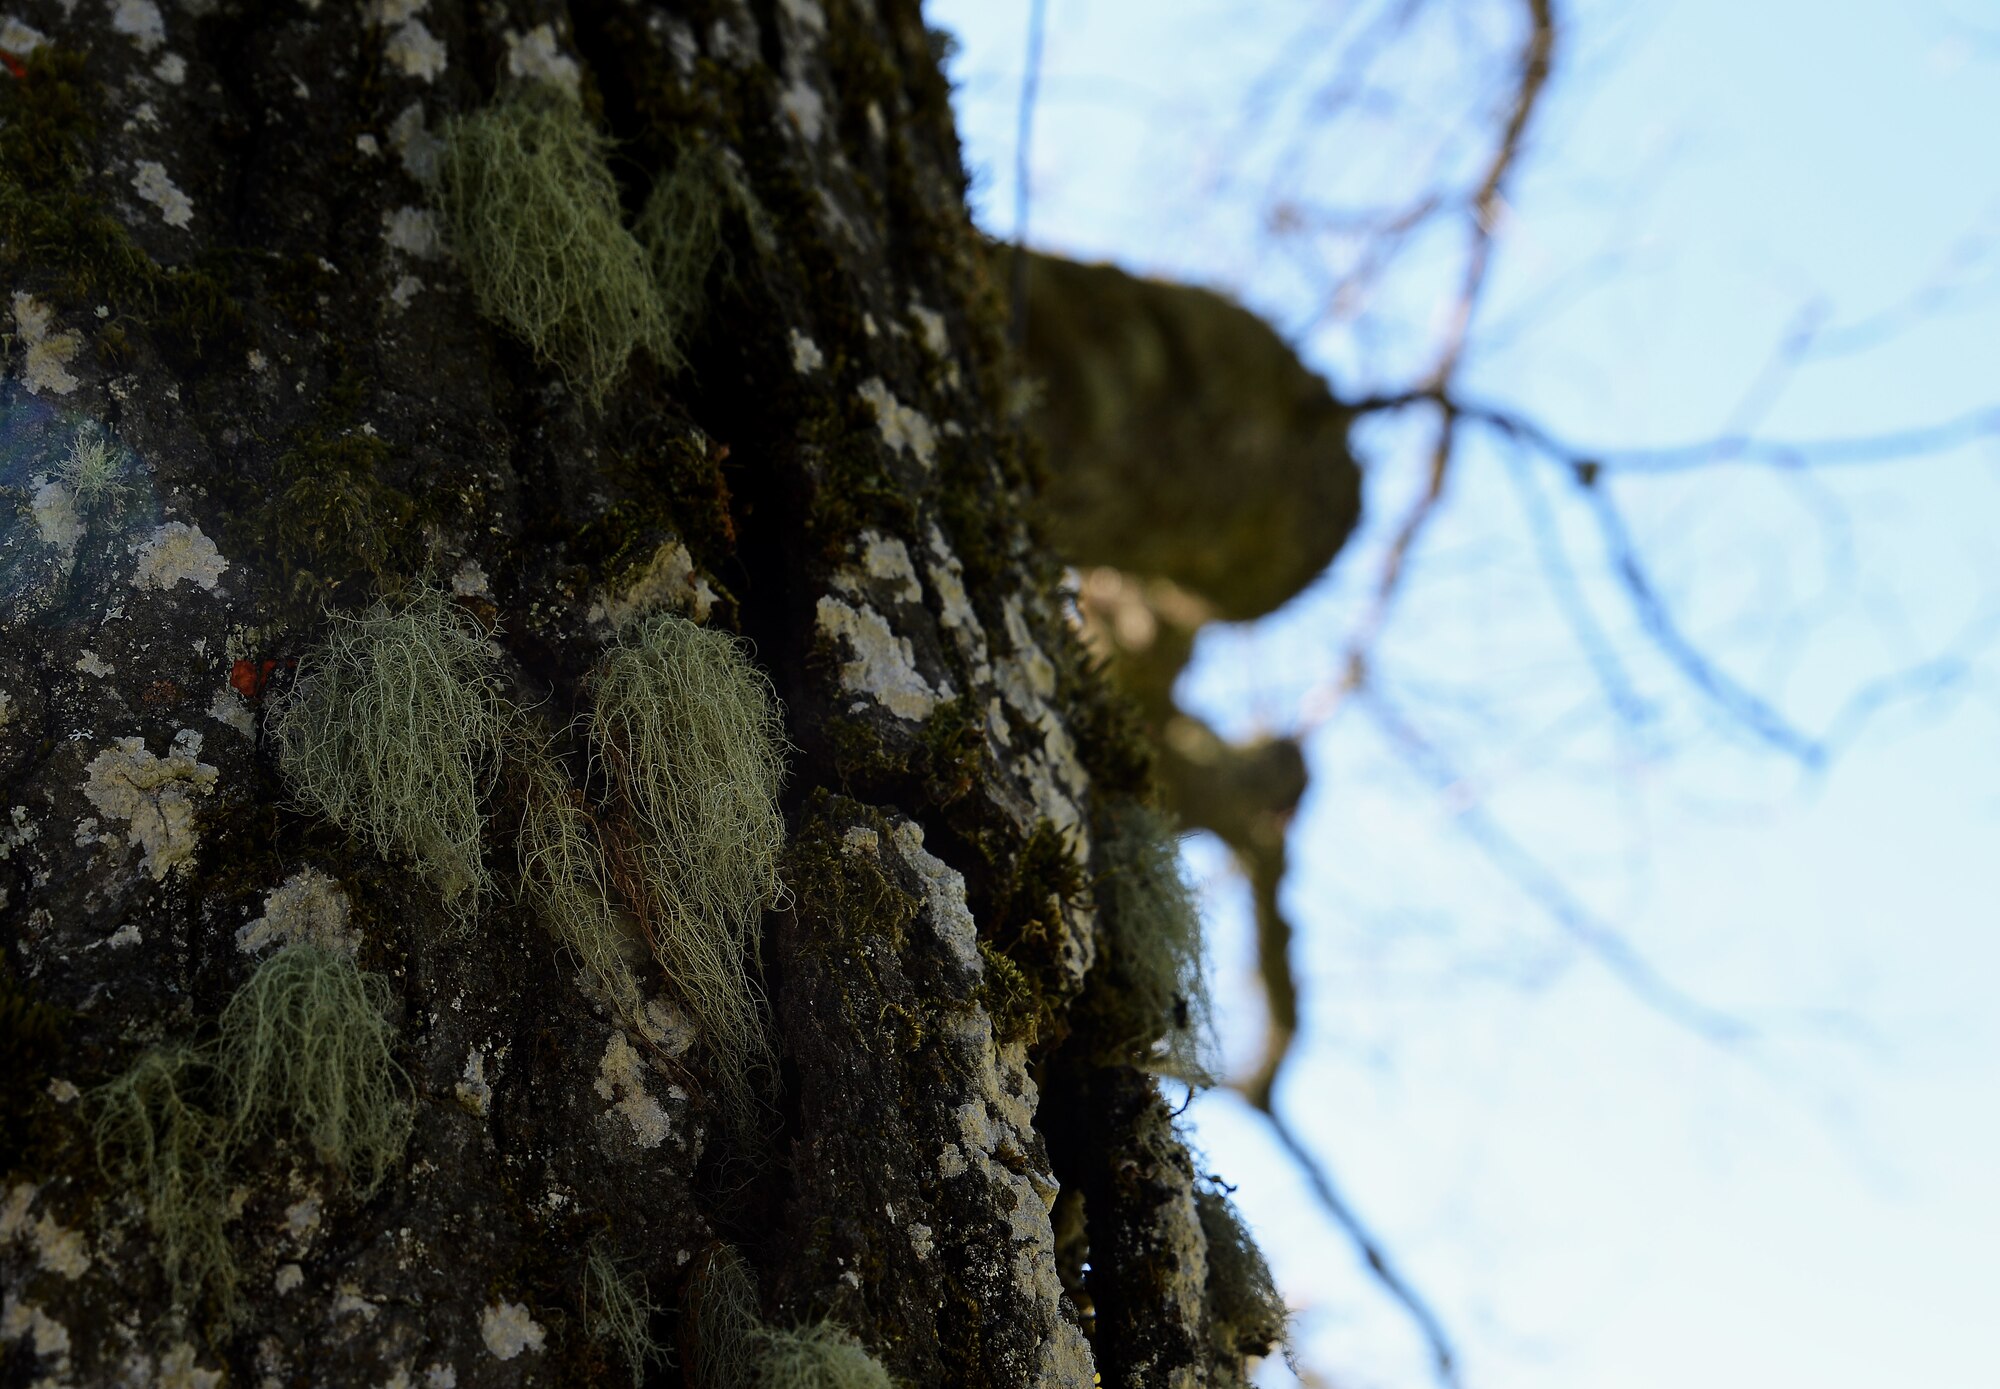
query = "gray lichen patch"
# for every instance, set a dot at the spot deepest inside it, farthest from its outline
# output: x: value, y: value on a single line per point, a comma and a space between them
x: 944, y: 890
x: 156, y: 186
x: 154, y: 796
x: 309, y: 906
x: 178, y: 553
x: 46, y: 351
x: 906, y: 430
x: 669, y: 582
x: 621, y: 1079
x: 881, y: 663
x: 509, y: 1329
x: 57, y: 1249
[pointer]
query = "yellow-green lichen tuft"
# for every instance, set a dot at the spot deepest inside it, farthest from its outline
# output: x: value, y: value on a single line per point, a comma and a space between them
x: 618, y: 1312
x: 305, y: 1050
x: 390, y: 731
x: 157, y: 1140
x: 1153, y: 1001
x: 533, y: 212
x: 688, y: 734
x: 94, y: 469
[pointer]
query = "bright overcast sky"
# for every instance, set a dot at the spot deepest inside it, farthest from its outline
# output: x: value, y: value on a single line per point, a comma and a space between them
x: 1591, y: 1196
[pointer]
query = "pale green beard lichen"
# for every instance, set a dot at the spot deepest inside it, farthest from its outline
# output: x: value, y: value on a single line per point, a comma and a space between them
x: 1156, y: 1008
x: 681, y: 228
x: 305, y: 1049
x: 1246, y: 1315
x: 534, y: 215
x: 93, y: 469
x: 618, y: 1312
x: 725, y: 1321
x: 687, y: 732
x: 156, y: 1140
x: 391, y: 732
x: 566, y: 878
x: 733, y: 1348
x: 819, y: 1356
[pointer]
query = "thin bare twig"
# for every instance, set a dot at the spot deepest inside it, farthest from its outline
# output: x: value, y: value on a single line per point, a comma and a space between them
x: 1024, y: 136
x: 1741, y: 704
x: 1486, y: 210
x: 1542, y: 885
x: 1444, y: 1360
x: 1487, y: 207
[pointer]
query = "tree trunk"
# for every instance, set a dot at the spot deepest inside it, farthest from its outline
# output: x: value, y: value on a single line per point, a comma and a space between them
x: 264, y: 379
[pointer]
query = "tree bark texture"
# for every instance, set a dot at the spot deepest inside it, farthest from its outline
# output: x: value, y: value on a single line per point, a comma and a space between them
x: 224, y: 263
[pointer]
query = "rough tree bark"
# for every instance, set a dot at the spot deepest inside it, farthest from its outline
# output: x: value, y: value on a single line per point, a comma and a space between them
x: 226, y: 274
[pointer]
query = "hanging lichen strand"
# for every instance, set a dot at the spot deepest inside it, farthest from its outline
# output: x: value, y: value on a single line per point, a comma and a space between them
x: 618, y: 1312
x: 687, y: 733
x: 1246, y: 1316
x: 567, y: 879
x: 391, y: 731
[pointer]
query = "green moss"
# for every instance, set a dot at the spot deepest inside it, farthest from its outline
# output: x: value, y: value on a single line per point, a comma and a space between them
x: 305, y: 1051
x: 618, y: 1312
x: 851, y: 488
x: 534, y: 214
x: 690, y: 737
x: 1246, y: 1314
x: 331, y: 525
x: 1150, y: 1002
x: 30, y: 1042
x: 1026, y: 925
x: 391, y: 731
x: 667, y: 482
x: 853, y: 926
x: 1107, y: 726
x: 954, y: 743
x: 57, y: 239
x: 1010, y: 996
x: 157, y: 1138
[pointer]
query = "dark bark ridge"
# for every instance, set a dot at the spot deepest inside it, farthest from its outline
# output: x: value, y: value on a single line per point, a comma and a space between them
x: 224, y: 266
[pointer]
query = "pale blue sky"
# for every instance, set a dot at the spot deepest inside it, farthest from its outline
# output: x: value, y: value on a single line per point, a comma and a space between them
x: 1591, y: 1196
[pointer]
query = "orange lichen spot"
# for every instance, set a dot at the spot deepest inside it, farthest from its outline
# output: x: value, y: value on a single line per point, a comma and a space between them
x: 248, y: 678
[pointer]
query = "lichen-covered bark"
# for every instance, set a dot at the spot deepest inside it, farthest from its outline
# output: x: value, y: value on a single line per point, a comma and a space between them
x: 248, y: 382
